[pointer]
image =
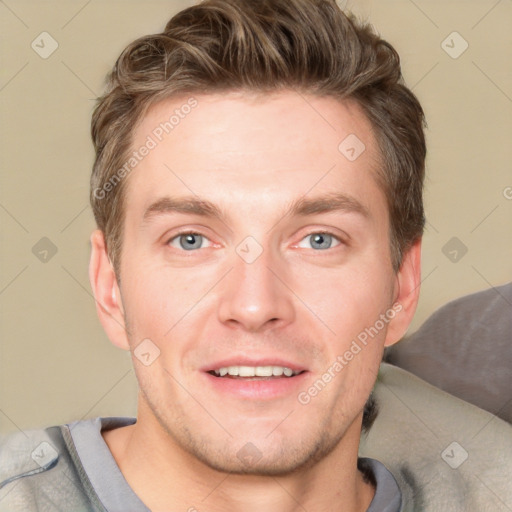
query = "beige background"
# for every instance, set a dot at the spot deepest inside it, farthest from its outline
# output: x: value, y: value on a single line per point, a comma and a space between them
x: 56, y: 363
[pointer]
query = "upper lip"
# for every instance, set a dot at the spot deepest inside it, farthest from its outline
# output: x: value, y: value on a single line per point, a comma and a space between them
x: 245, y: 361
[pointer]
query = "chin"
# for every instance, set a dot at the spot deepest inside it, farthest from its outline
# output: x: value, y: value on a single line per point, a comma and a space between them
x: 281, y: 458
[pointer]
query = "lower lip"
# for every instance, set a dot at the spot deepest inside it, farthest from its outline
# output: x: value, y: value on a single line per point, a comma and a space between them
x: 261, y: 389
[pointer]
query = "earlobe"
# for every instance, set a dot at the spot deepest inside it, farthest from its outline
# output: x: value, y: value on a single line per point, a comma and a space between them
x: 106, y: 292
x: 408, y: 281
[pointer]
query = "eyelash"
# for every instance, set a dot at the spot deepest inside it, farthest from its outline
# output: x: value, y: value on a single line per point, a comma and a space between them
x: 191, y: 232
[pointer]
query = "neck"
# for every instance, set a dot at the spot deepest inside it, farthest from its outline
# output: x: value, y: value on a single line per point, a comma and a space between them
x: 166, y: 477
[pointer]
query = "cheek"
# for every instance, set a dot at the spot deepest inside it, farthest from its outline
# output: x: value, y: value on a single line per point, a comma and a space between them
x: 348, y: 299
x: 160, y: 298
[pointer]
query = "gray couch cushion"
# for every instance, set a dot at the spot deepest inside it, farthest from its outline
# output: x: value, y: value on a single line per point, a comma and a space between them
x: 465, y: 348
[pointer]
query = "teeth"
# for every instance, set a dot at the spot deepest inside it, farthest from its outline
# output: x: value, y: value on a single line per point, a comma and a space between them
x: 256, y: 371
x: 232, y: 370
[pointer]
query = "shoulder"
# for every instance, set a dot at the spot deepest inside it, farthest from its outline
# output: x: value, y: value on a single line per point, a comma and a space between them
x: 37, y: 473
x: 445, y: 453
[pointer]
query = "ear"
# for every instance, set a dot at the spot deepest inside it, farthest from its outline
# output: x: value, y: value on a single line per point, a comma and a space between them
x: 407, y: 291
x: 106, y: 292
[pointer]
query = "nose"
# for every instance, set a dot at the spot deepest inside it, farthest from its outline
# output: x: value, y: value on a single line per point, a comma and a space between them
x: 255, y: 296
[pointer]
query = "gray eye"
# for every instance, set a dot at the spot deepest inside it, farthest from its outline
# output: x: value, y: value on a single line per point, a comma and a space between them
x: 320, y: 241
x: 188, y: 241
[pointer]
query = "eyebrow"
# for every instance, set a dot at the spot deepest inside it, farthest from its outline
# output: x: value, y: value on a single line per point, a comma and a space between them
x: 301, y: 207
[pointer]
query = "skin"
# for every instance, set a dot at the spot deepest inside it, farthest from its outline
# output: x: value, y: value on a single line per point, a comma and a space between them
x: 299, y: 301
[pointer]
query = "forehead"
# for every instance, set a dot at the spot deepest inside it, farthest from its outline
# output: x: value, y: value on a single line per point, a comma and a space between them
x: 248, y: 147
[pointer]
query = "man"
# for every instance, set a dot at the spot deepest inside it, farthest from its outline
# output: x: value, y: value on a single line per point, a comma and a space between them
x: 258, y: 194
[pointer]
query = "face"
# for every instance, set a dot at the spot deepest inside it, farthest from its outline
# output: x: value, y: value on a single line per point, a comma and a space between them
x: 254, y: 248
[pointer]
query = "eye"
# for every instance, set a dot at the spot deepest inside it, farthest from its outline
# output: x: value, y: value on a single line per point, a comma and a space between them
x: 187, y: 241
x: 321, y: 240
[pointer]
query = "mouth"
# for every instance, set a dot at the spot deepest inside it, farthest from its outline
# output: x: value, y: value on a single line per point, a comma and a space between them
x: 255, y: 380
x: 255, y: 372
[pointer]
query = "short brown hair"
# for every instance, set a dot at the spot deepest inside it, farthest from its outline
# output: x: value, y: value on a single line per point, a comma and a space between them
x: 264, y: 45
